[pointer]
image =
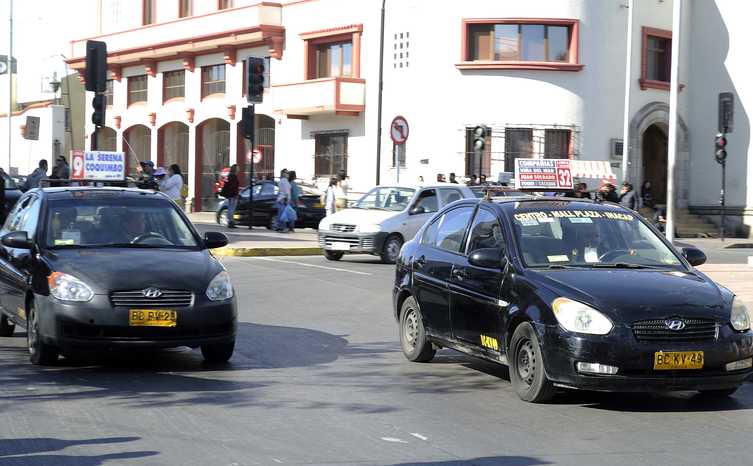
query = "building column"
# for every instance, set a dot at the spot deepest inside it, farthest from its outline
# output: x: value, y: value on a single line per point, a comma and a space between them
x: 118, y: 141
x: 153, y: 143
x: 191, y: 166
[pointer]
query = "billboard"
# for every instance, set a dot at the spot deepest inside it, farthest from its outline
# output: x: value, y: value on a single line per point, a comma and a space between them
x: 97, y: 165
x: 543, y: 174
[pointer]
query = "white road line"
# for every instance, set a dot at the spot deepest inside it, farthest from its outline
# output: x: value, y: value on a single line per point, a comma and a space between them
x: 269, y: 259
x: 419, y: 436
x: 393, y: 440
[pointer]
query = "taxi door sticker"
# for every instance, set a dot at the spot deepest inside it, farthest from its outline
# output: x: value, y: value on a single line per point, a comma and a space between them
x: 489, y: 342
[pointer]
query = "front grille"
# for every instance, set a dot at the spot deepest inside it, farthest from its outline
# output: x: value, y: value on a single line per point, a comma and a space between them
x: 657, y: 330
x: 355, y: 242
x: 136, y: 299
x: 343, y: 228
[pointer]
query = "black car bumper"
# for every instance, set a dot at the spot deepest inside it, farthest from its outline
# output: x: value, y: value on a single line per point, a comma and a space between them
x: 97, y: 324
x: 635, y: 361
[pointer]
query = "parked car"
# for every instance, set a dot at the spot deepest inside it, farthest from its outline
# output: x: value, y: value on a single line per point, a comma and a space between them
x: 384, y: 218
x: 497, y: 191
x: 310, y: 209
x: 572, y: 294
x: 106, y: 268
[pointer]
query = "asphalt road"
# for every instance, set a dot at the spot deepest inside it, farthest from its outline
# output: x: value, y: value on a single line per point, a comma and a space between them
x: 317, y: 378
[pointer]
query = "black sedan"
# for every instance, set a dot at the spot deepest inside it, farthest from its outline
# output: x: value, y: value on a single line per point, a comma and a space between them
x: 310, y: 209
x: 572, y: 294
x: 107, y: 268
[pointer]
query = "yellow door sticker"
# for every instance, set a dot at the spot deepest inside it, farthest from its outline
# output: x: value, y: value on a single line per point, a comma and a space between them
x: 489, y: 342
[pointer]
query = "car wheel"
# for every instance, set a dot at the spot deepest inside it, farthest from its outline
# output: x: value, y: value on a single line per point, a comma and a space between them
x: 723, y: 393
x: 222, y: 217
x: 333, y: 255
x: 39, y: 353
x: 527, y: 366
x: 416, y: 347
x: 391, y: 249
x: 6, y: 327
x: 218, y: 353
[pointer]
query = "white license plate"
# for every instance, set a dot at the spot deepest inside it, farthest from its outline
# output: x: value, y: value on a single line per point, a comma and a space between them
x: 340, y: 246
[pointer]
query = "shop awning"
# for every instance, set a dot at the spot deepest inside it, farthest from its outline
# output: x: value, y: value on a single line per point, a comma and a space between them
x: 594, y: 169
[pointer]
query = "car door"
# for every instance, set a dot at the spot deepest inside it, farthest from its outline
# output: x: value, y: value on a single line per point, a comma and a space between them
x: 424, y: 205
x: 16, y: 263
x: 6, y: 274
x: 432, y: 265
x: 475, y: 304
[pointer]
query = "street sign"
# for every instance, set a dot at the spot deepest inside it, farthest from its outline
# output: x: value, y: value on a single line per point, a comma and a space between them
x: 31, y: 131
x: 256, y: 155
x: 399, y: 130
x: 97, y: 165
x: 544, y: 174
x: 726, y: 111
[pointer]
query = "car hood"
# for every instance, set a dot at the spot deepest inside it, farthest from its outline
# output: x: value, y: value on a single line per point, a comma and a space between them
x: 360, y: 216
x: 116, y: 269
x: 629, y: 295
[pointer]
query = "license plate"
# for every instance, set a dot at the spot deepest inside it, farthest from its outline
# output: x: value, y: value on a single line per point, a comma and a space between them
x: 672, y: 360
x: 318, y: 205
x: 340, y: 246
x: 152, y: 318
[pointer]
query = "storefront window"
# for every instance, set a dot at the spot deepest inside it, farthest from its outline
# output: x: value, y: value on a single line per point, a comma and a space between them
x: 174, y: 147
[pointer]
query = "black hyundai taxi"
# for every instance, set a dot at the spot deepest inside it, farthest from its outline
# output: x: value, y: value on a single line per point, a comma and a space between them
x: 569, y: 293
x: 103, y: 268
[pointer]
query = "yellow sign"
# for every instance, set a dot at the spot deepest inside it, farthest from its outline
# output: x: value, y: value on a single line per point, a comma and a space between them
x: 673, y: 360
x: 489, y: 342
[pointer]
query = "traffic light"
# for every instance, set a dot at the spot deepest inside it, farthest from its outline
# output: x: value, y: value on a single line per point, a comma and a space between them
x: 255, y: 79
x: 95, y: 74
x: 721, y: 147
x: 248, y: 123
x: 99, y: 103
x: 479, y: 137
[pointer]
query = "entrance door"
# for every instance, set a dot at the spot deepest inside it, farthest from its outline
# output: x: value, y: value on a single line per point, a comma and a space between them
x: 655, y: 162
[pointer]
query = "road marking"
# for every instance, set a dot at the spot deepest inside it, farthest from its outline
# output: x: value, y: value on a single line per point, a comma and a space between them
x: 269, y: 259
x: 419, y: 436
x: 393, y: 440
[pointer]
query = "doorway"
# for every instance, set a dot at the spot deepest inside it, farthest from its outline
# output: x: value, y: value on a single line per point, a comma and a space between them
x: 655, y: 161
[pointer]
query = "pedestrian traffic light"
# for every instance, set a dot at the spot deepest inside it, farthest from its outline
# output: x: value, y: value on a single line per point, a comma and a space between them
x: 248, y: 123
x: 95, y: 74
x: 255, y: 79
x: 479, y: 137
x: 99, y: 103
x: 721, y: 147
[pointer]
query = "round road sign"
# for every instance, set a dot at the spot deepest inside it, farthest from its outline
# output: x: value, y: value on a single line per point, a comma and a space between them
x: 399, y: 130
x: 254, y: 155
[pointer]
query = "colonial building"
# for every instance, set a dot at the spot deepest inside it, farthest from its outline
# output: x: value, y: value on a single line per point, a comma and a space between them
x: 548, y: 78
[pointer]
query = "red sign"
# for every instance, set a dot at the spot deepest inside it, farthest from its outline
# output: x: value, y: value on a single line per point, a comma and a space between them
x: 544, y: 174
x: 77, y: 165
x: 254, y: 155
x: 399, y: 130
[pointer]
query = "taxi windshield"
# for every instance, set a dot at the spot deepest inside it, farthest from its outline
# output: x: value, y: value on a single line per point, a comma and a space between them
x: 116, y: 222
x: 566, y: 237
x: 386, y: 198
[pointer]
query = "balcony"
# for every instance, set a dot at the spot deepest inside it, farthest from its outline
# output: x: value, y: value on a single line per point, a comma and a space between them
x: 337, y: 95
x: 225, y: 30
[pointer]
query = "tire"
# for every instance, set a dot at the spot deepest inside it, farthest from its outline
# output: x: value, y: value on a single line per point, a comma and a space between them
x: 333, y: 255
x: 391, y: 249
x: 527, y: 366
x: 222, y: 217
x: 39, y: 353
x: 416, y: 347
x: 218, y: 353
x: 6, y: 327
x: 723, y: 393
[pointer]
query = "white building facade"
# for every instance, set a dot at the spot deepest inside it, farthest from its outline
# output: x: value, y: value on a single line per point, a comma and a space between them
x: 548, y: 78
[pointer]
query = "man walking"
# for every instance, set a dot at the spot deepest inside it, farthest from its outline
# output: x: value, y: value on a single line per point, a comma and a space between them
x: 36, y: 176
x: 230, y: 191
x: 628, y: 198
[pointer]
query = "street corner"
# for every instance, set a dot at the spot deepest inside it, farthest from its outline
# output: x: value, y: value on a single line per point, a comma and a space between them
x: 266, y: 252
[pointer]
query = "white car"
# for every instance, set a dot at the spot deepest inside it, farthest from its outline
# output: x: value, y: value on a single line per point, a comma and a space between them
x: 385, y: 218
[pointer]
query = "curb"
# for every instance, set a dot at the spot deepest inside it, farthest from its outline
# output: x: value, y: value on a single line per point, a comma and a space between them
x: 263, y: 252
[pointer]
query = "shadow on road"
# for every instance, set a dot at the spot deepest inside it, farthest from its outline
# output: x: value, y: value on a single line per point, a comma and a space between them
x: 21, y: 451
x: 486, y: 461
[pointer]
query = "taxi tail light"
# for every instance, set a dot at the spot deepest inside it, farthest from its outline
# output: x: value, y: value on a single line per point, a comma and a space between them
x: 739, y: 365
x: 596, y: 368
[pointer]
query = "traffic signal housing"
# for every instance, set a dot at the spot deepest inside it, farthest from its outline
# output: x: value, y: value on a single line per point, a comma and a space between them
x: 95, y: 74
x: 720, y: 143
x: 256, y: 76
x: 479, y: 137
x: 99, y: 104
x: 248, y: 123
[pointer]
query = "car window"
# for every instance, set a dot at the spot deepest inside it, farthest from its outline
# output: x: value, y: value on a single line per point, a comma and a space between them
x: 430, y: 234
x: 451, y: 229
x: 16, y: 215
x: 269, y: 189
x: 394, y: 199
x: 9, y: 182
x: 486, y: 232
x: 428, y: 200
x: 30, y: 217
x: 450, y: 195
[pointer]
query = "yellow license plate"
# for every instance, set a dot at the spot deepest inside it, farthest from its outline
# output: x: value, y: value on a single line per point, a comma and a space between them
x: 672, y: 360
x: 318, y: 205
x: 152, y: 318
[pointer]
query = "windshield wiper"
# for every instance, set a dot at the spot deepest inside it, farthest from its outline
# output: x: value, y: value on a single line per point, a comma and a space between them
x: 622, y: 265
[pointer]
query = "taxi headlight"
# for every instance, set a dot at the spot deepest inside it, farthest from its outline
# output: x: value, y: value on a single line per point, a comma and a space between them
x: 739, y: 317
x: 578, y: 318
x: 69, y: 288
x: 370, y: 228
x: 220, y: 288
x: 324, y: 224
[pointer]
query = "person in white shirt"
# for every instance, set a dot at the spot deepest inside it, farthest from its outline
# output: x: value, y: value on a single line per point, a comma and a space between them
x: 330, y: 196
x: 341, y: 193
x: 172, y: 184
x: 282, y: 198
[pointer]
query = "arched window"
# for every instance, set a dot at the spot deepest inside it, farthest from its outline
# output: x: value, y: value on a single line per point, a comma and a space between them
x: 173, y: 147
x: 212, y: 156
x: 137, y: 145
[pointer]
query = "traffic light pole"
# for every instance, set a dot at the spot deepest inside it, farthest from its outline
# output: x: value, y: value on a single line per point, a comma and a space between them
x: 251, y: 139
x: 722, y: 197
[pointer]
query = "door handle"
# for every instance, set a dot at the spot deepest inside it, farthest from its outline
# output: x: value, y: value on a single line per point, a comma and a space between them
x: 420, y: 262
x: 459, y: 274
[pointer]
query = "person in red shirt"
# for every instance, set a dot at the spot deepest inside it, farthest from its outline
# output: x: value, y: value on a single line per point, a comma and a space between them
x: 230, y: 191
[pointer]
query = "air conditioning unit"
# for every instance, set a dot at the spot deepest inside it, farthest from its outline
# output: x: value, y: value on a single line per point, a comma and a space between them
x: 615, y: 149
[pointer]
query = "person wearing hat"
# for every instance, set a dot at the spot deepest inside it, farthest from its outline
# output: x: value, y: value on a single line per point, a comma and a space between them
x: 146, y: 178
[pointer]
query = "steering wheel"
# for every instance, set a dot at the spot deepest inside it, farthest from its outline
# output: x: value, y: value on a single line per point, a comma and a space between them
x: 607, y: 256
x: 146, y: 236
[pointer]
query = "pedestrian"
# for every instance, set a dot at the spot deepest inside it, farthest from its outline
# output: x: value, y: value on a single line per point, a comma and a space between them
x: 473, y: 181
x: 607, y: 192
x: 330, y: 197
x: 482, y: 179
x: 440, y: 177
x: 283, y: 197
x: 172, y: 184
x: 341, y: 199
x: 146, y: 179
x: 295, y: 194
x: 230, y: 191
x: 453, y: 179
x: 420, y: 179
x: 32, y: 181
x: 647, y: 196
x: 61, y: 170
x: 628, y: 198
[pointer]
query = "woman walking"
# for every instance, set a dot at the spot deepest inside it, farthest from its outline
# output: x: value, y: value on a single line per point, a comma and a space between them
x: 330, y: 198
x: 172, y: 184
x: 230, y: 191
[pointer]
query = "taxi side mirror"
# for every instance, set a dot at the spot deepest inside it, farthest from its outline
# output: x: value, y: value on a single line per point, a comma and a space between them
x: 488, y: 258
x: 416, y: 210
x: 214, y: 240
x: 17, y: 239
x: 694, y: 256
